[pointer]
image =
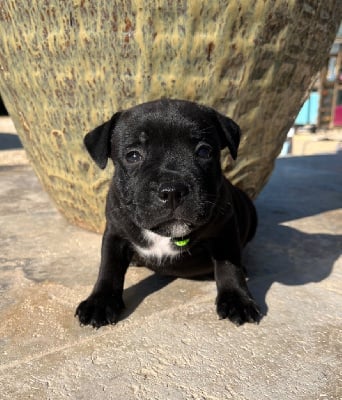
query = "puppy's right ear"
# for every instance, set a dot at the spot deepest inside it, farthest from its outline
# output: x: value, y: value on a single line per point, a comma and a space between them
x: 97, y: 142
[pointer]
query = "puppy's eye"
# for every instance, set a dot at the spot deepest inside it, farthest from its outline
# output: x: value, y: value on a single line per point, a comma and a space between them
x: 204, y: 151
x: 134, y: 156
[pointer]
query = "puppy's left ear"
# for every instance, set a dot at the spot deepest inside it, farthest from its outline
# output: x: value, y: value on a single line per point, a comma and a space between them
x: 97, y: 142
x: 229, y: 134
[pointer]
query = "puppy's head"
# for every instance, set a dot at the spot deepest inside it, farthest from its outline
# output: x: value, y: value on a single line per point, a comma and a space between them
x: 167, y: 162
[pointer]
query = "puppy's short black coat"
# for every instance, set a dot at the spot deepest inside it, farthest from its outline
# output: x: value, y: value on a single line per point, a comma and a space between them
x: 170, y: 205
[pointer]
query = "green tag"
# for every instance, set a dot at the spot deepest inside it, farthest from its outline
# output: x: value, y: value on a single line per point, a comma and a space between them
x: 181, y: 243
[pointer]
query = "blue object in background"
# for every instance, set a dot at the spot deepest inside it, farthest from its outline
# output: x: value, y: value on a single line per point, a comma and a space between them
x: 308, y: 115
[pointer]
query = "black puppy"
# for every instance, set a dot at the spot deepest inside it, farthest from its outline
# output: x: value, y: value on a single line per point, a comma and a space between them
x: 170, y: 205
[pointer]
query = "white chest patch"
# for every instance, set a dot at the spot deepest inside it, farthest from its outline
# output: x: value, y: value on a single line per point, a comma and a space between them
x: 159, y: 247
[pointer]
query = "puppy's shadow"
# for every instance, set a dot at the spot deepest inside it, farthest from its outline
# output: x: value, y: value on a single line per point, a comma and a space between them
x: 298, y: 260
x: 300, y: 187
x: 135, y: 294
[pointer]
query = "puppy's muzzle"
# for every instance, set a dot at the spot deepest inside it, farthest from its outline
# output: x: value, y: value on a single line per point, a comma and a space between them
x: 172, y: 194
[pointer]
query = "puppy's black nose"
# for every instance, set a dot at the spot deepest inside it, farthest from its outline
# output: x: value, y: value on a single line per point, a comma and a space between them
x: 172, y: 194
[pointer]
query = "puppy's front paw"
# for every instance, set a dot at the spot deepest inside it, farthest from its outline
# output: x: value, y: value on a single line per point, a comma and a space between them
x: 238, y: 307
x: 99, y: 309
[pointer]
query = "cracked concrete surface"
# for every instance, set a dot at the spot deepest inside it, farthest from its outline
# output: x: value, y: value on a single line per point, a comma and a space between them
x: 170, y: 343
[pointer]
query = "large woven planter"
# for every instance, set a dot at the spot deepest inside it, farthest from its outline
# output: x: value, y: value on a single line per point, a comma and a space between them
x: 65, y: 67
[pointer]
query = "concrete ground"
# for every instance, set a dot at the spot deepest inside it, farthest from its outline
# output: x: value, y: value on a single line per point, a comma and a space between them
x: 170, y: 343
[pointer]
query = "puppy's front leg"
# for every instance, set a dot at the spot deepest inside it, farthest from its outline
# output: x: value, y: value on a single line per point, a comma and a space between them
x: 105, y: 303
x: 234, y: 300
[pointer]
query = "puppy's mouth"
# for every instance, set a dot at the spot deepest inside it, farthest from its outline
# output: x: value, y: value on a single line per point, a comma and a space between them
x: 173, y: 228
